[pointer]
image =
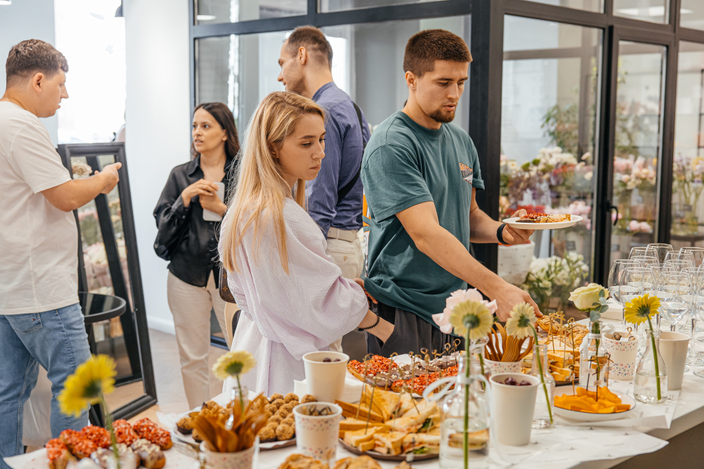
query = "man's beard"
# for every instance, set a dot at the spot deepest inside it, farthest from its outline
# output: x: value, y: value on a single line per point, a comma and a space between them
x: 442, y: 116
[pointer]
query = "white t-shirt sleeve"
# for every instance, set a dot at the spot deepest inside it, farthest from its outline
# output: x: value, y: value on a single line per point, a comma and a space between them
x: 34, y: 158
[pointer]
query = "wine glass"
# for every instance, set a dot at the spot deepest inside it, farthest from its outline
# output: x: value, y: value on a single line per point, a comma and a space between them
x: 678, y: 264
x: 661, y: 250
x: 646, y: 261
x: 615, y: 273
x: 697, y: 254
x: 693, y: 358
x: 643, y: 251
x: 680, y: 256
x: 674, y: 286
x: 633, y: 283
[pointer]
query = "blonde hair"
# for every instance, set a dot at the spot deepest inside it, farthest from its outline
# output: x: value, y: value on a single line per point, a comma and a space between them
x: 260, y: 185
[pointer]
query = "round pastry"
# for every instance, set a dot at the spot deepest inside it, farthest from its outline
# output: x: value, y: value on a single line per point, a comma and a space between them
x: 124, y: 433
x: 275, y: 397
x: 196, y: 436
x: 271, y: 408
x: 288, y: 406
x: 77, y: 444
x: 149, y: 430
x: 290, y: 397
x: 268, y: 433
x: 283, y: 413
x: 185, y: 425
x: 284, y: 432
x: 150, y: 454
x: 274, y: 419
x: 308, y: 398
x: 104, y: 457
x: 290, y: 420
x: 278, y: 403
x: 58, y: 454
x: 98, y: 435
x: 210, y: 405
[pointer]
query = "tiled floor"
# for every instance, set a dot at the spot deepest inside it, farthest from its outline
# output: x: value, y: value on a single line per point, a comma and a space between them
x: 167, y: 374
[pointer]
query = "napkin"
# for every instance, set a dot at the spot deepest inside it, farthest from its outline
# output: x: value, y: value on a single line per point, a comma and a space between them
x: 615, y: 310
x: 351, y: 392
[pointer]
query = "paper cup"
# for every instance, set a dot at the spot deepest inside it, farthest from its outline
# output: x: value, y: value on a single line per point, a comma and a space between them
x: 316, y: 436
x: 239, y: 460
x: 623, y: 357
x: 513, y: 408
x: 673, y: 348
x: 497, y: 368
x: 326, y: 380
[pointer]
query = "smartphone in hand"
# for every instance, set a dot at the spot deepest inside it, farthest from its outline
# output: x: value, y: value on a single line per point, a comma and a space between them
x: 212, y: 216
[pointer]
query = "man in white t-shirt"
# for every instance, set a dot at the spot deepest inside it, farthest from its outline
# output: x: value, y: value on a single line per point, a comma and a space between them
x: 41, y: 322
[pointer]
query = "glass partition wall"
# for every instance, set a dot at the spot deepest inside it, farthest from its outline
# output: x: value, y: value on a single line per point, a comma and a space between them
x: 588, y: 107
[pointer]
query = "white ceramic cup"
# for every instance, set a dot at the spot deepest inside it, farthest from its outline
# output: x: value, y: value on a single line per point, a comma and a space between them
x: 623, y: 357
x: 326, y: 380
x: 316, y: 436
x: 503, y: 367
x: 673, y: 348
x: 513, y: 408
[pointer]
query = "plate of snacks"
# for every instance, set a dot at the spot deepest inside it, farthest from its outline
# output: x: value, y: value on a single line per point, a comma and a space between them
x: 587, y: 406
x: 144, y: 443
x: 279, y: 431
x: 299, y: 461
x: 390, y: 426
x: 542, y: 221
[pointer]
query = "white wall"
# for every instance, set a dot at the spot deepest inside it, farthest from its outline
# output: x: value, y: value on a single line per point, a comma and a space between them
x: 157, y: 126
x: 28, y: 20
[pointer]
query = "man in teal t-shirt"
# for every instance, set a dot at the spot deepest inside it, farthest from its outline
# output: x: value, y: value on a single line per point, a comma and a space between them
x: 420, y: 175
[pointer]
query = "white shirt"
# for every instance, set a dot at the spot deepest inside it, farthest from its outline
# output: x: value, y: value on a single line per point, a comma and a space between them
x: 38, y: 242
x: 285, y: 316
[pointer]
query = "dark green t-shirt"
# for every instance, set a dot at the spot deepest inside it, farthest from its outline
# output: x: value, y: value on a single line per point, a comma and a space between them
x: 406, y: 164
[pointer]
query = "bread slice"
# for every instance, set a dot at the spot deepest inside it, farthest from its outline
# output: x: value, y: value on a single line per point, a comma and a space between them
x: 385, y: 402
x: 389, y: 443
x: 357, y: 437
x: 352, y: 424
x: 422, y: 443
x: 414, y: 418
x: 350, y: 410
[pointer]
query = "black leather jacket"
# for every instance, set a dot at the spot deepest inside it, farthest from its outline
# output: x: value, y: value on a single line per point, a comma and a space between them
x: 184, y: 238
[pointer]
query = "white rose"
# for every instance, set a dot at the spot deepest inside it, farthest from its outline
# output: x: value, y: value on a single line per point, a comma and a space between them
x: 585, y: 297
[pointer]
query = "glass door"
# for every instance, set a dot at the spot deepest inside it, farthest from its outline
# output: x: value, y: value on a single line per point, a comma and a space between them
x: 637, y: 128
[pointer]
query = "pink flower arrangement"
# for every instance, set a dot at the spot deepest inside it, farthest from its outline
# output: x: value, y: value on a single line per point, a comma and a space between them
x: 457, y: 297
x: 635, y: 226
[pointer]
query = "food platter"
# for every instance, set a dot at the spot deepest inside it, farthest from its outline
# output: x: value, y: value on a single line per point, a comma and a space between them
x: 515, y: 223
x: 579, y: 416
x: 388, y: 457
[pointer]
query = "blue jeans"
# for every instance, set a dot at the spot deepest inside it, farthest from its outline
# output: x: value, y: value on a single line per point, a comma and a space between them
x: 55, y: 339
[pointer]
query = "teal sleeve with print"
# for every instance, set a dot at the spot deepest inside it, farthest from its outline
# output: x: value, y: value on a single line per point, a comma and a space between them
x: 393, y: 181
x: 477, y: 181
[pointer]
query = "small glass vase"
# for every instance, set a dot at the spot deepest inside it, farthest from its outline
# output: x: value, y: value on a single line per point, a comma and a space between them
x: 593, y: 359
x: 645, y: 383
x: 478, y: 410
x: 543, y: 404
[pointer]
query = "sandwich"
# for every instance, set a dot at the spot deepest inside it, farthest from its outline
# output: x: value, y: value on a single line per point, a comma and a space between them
x: 421, y: 443
x: 352, y: 424
x: 360, y: 411
x: 385, y: 402
x: 389, y: 443
x: 415, y: 419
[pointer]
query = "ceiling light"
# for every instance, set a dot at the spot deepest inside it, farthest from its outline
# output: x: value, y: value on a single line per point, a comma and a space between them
x: 649, y: 11
x: 205, y: 17
x: 5, y: 2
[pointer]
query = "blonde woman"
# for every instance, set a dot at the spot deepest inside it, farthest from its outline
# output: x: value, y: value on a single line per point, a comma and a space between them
x: 294, y: 299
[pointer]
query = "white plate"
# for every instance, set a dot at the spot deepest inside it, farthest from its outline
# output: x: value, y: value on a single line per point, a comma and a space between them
x: 590, y: 417
x: 514, y: 223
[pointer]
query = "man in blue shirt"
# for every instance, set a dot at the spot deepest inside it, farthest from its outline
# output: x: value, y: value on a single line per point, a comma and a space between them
x: 335, y: 196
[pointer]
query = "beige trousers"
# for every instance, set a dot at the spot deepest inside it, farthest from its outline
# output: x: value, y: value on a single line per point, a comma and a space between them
x: 191, y: 307
x: 349, y: 257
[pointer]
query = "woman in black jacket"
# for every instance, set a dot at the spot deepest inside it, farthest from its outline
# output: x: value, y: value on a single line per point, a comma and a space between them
x: 188, y: 217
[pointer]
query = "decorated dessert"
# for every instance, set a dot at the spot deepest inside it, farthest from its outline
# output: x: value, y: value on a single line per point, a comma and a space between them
x: 544, y: 218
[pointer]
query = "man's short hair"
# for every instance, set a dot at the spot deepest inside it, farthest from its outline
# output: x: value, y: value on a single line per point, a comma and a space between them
x: 314, y: 41
x: 425, y: 47
x: 33, y: 56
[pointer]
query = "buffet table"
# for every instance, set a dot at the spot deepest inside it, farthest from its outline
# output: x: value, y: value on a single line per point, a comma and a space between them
x: 567, y: 445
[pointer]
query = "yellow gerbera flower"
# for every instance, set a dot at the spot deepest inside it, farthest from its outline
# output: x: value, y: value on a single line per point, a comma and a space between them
x: 234, y: 364
x: 641, y: 308
x: 520, y: 322
x: 92, y: 379
x: 473, y: 316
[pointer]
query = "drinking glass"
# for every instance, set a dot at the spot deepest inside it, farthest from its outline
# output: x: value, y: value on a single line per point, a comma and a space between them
x: 646, y: 261
x: 661, y: 250
x: 675, y: 287
x: 633, y: 283
x: 643, y: 251
x: 678, y: 264
x: 615, y: 276
x: 697, y: 254
x: 680, y: 256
